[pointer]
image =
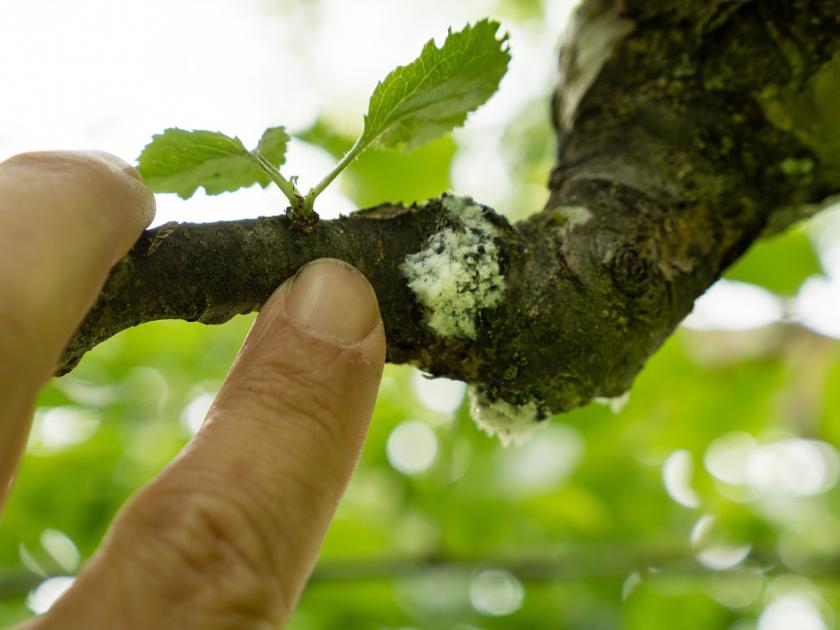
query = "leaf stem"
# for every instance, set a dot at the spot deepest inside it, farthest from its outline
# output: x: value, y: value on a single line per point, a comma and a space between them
x: 309, y: 201
x: 288, y: 188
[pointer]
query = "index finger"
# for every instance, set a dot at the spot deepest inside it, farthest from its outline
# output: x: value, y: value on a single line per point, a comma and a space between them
x: 65, y: 218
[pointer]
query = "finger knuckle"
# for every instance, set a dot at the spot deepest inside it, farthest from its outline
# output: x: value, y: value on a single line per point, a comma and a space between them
x: 298, y: 389
x: 61, y: 162
x: 213, y: 548
x: 81, y: 171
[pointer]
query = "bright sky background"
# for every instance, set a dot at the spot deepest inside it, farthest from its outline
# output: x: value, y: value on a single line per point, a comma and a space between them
x: 107, y: 74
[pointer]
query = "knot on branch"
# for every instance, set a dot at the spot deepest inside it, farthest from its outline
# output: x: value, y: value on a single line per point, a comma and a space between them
x: 630, y: 270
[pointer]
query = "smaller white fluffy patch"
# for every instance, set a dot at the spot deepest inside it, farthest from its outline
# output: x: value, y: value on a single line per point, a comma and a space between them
x: 512, y: 424
x: 457, y: 273
x: 616, y: 403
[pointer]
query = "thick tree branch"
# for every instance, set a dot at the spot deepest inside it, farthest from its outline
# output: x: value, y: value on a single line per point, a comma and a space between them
x: 686, y: 130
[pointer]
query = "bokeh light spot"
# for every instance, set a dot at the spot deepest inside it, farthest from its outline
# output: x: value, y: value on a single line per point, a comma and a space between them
x: 196, y: 410
x: 791, y: 612
x: 739, y: 588
x: 817, y: 305
x: 726, y: 458
x: 412, y: 447
x: 62, y: 549
x: 496, y: 593
x: 714, y: 551
x: 541, y: 465
x: 57, y: 428
x: 676, y: 475
x: 729, y: 305
x: 792, y: 467
x: 47, y: 592
x: 438, y: 394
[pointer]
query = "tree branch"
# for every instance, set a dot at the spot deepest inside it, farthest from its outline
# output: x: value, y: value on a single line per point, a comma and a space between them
x: 686, y: 130
x: 603, y: 562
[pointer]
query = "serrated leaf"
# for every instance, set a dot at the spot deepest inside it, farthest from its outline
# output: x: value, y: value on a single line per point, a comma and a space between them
x: 180, y: 161
x: 273, y: 145
x: 434, y: 93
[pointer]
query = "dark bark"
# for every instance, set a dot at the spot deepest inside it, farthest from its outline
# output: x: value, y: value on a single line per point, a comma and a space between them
x: 686, y: 130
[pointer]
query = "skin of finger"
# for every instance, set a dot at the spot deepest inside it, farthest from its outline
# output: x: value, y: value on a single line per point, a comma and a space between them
x: 228, y: 534
x: 65, y: 218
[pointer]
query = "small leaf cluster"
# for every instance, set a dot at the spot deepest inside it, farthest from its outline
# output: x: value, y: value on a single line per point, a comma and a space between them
x: 414, y: 104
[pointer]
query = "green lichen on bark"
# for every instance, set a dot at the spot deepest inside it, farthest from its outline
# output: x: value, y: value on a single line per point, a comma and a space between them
x: 809, y: 109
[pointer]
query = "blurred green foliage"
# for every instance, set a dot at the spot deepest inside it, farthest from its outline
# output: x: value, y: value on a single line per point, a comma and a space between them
x: 577, y: 529
x: 779, y: 264
x: 590, y: 534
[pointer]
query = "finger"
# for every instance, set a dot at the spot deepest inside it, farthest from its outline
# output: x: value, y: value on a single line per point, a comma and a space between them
x: 65, y: 218
x: 227, y: 535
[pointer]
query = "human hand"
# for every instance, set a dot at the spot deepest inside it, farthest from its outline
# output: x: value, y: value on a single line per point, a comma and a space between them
x: 226, y: 536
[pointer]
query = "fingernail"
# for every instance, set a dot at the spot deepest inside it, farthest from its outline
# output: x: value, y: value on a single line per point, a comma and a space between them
x: 331, y: 299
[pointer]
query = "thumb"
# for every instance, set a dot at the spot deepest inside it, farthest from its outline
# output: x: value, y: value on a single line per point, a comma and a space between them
x: 228, y: 534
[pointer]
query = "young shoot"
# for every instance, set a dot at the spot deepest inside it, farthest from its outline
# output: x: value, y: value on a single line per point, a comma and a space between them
x: 415, y: 103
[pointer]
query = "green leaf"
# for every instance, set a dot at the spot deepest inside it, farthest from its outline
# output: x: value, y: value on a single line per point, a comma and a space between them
x: 434, y: 93
x: 779, y: 264
x: 273, y: 145
x: 180, y: 161
x: 430, y: 96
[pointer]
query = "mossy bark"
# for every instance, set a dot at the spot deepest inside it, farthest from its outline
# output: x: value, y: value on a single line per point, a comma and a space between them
x: 686, y: 130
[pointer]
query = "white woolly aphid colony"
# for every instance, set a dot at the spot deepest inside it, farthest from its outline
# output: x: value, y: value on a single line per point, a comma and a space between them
x: 454, y: 277
x: 457, y: 274
x: 512, y: 424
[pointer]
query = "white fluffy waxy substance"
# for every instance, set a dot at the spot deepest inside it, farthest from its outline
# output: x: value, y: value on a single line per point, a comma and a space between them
x: 456, y: 274
x: 615, y: 403
x: 512, y: 424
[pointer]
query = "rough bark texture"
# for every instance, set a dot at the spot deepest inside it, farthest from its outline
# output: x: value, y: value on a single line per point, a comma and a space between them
x: 686, y: 130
